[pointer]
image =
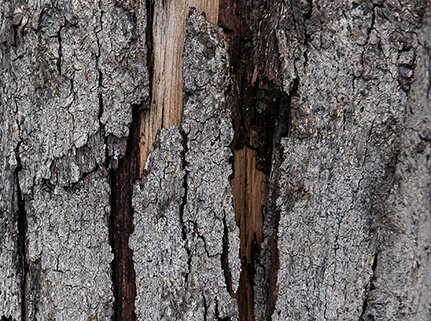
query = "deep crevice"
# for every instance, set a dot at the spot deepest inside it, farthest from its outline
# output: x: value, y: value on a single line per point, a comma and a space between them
x: 260, y: 117
x: 122, y: 177
x: 99, y: 70
x: 225, y: 258
x: 283, y: 128
x: 121, y: 226
x: 22, y: 242
x: 149, y: 5
x: 184, y: 202
x: 60, y: 49
x: 204, y: 299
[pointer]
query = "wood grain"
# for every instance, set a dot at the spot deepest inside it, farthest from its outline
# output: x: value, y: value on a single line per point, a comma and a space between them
x: 168, y: 41
x: 249, y: 188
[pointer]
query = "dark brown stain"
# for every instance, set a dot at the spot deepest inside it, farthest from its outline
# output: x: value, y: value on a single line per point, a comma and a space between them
x: 260, y: 118
x: 121, y: 224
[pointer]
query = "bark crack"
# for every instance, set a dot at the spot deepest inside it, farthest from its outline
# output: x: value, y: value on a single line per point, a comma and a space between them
x: 22, y: 228
x: 149, y: 5
x: 225, y: 258
x: 99, y: 69
x: 184, y: 202
x: 370, y: 287
x: 370, y: 30
x: 429, y: 77
x: 60, y: 48
x: 205, y: 306
x: 260, y: 118
x: 22, y: 242
x: 121, y: 226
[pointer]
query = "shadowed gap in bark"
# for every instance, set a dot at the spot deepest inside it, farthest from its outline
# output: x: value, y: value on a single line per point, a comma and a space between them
x: 22, y: 243
x: 259, y: 117
x: 122, y: 178
x: 369, y: 288
x: 121, y: 224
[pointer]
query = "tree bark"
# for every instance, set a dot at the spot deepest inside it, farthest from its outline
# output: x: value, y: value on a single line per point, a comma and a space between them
x: 244, y: 160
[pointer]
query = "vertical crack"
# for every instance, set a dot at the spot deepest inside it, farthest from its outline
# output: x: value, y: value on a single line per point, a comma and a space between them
x: 370, y: 29
x: 270, y: 259
x: 60, y: 49
x: 283, y: 128
x: 184, y: 202
x: 370, y: 287
x: 99, y: 70
x: 225, y: 259
x: 429, y: 76
x: 205, y: 306
x: 22, y: 242
x: 149, y: 5
x: 121, y: 227
x: 260, y: 118
x: 122, y: 179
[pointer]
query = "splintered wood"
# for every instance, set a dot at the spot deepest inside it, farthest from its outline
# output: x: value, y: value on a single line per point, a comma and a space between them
x: 249, y: 184
x: 168, y: 41
x: 249, y: 188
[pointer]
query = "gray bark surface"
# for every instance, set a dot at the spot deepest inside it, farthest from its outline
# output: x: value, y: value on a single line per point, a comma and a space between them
x: 10, y: 258
x: 333, y: 117
x: 353, y: 186
x: 68, y: 252
x: 158, y: 239
x: 183, y: 211
x: 66, y: 107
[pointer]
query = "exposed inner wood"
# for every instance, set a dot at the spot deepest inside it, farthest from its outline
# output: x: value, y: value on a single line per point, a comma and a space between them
x: 168, y: 42
x: 249, y: 183
x: 260, y: 118
x: 249, y: 187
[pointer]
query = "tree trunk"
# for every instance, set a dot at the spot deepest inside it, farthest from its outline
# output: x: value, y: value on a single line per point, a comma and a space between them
x: 244, y: 160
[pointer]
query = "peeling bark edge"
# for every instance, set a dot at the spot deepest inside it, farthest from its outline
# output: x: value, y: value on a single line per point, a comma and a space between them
x: 122, y: 180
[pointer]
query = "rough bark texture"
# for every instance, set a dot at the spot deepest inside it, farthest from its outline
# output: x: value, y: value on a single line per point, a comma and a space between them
x: 262, y: 160
x: 185, y: 225
x: 66, y: 105
x: 68, y: 252
x: 350, y: 245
